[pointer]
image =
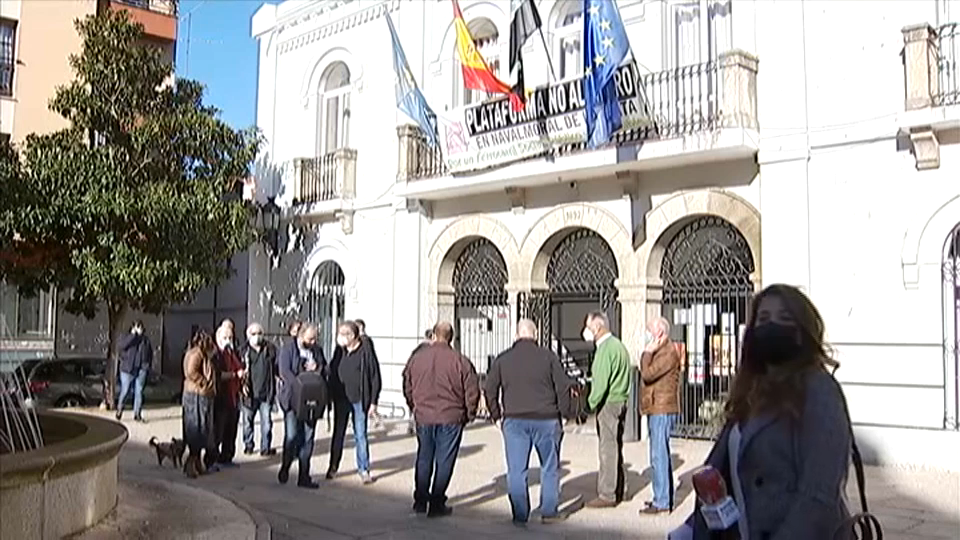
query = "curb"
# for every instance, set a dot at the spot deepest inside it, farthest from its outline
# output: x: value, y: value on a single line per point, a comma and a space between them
x: 262, y: 528
x: 264, y: 531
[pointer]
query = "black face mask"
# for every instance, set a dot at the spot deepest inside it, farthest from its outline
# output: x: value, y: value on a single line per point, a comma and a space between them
x: 773, y: 343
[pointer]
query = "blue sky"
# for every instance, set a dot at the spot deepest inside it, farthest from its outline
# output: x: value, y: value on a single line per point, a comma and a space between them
x: 214, y: 47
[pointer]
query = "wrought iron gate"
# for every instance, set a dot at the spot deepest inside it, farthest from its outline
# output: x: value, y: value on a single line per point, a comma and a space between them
x: 481, y: 310
x: 581, y: 274
x: 706, y: 292
x: 951, y: 331
x: 326, y: 303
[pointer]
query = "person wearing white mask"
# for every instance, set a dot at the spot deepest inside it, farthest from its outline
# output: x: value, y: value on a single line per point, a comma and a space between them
x: 609, y: 392
x: 259, y: 358
x: 226, y: 410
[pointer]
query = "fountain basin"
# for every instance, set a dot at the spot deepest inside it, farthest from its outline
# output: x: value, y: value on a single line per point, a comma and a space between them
x: 68, y: 485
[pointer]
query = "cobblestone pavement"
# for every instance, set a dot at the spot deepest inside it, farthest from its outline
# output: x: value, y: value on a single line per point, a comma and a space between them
x: 911, y: 504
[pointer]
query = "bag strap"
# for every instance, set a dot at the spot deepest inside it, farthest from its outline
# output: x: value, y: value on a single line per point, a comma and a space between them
x: 854, y: 450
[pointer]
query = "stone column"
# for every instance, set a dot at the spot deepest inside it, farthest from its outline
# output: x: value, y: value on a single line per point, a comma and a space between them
x: 406, y: 151
x: 632, y: 299
x: 445, y: 306
x: 738, y: 87
x: 921, y: 56
x: 345, y: 167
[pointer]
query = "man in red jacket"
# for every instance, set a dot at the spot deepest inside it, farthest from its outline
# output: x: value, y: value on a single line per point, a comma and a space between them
x: 442, y: 390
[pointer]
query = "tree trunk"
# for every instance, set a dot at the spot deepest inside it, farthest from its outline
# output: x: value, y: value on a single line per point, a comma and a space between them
x: 115, y: 314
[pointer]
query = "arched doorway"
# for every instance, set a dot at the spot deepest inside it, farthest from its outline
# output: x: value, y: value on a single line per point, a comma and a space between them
x: 706, y: 292
x: 326, y: 303
x: 481, y: 311
x: 580, y: 277
x: 951, y: 330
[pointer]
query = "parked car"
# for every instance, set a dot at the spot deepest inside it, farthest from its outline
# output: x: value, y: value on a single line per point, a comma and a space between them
x: 79, y: 381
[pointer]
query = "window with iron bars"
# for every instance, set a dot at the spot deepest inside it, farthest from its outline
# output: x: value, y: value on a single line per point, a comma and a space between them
x: 8, y: 59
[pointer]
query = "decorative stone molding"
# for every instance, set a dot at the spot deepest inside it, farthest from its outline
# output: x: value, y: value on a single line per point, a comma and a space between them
x: 535, y: 251
x: 739, y: 89
x: 925, y: 148
x: 920, y: 66
x: 685, y: 205
x: 327, y: 11
x: 328, y: 249
x: 924, y: 239
x: 445, y: 250
x: 406, y: 153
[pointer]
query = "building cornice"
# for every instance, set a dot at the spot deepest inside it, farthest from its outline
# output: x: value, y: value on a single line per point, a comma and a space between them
x: 333, y: 18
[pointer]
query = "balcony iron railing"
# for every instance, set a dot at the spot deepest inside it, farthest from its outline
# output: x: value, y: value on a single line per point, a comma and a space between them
x: 167, y: 7
x: 325, y: 178
x: 948, y: 40
x: 682, y: 101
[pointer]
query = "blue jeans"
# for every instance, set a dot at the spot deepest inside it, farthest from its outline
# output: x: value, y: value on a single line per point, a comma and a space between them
x: 342, y: 411
x: 660, y: 426
x: 140, y: 380
x: 437, y: 450
x: 266, y: 424
x: 298, y: 442
x: 520, y: 435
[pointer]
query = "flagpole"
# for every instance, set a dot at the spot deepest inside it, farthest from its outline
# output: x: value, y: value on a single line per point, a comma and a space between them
x: 553, y: 74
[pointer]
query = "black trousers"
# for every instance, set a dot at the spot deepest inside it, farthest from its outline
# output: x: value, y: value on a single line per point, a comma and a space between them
x: 226, y: 419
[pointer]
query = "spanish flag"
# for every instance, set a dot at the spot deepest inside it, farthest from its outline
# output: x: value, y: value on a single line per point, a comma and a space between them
x: 476, y: 72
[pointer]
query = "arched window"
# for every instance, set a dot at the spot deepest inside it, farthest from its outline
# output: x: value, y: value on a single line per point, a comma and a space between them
x: 567, y: 40
x: 333, y: 112
x: 951, y: 330
x: 485, y: 37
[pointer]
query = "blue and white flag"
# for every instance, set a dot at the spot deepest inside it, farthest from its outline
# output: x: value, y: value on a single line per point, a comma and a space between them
x: 410, y: 99
x: 605, y: 47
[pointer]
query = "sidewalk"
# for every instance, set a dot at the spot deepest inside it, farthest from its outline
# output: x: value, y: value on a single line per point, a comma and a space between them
x: 159, y: 509
x: 911, y: 504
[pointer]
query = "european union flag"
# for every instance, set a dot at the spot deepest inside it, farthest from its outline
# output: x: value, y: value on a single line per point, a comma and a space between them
x: 409, y: 97
x: 605, y: 47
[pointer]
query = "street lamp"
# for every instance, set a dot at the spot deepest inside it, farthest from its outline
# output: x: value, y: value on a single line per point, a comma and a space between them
x: 267, y: 223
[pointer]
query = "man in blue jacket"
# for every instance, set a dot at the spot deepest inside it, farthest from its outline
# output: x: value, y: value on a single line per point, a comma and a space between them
x: 136, y: 357
x: 300, y: 354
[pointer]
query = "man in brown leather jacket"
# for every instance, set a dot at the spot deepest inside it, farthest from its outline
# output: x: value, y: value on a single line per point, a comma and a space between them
x: 442, y: 390
x: 660, y: 401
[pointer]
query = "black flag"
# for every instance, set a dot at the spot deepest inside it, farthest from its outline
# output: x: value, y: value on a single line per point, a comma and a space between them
x: 526, y: 21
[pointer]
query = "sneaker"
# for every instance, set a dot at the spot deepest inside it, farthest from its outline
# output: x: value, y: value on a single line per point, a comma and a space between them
x: 365, y: 477
x: 419, y: 509
x: 331, y: 474
x: 140, y: 419
x: 267, y: 452
x: 284, y: 475
x: 600, y: 502
x: 119, y: 415
x: 439, y: 511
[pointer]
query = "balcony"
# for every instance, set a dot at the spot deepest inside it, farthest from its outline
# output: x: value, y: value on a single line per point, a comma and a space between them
x: 324, y: 187
x: 931, y: 68
x: 700, y: 113
x: 158, y: 17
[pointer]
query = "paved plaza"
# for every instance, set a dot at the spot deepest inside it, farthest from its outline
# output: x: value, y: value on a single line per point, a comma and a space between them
x: 912, y: 504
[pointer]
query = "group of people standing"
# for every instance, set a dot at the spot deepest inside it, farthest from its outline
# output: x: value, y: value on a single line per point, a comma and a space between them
x: 786, y: 419
x: 221, y: 381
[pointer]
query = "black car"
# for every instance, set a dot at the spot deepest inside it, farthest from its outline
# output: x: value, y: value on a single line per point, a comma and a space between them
x: 79, y: 381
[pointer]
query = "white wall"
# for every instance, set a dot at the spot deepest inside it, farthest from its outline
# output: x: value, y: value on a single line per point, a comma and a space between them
x: 840, y: 198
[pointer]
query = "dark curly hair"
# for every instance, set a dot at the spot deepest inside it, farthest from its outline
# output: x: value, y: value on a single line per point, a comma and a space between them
x: 201, y: 339
x: 758, y: 388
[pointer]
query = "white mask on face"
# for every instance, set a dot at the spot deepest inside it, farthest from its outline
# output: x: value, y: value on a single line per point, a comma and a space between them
x: 342, y: 341
x: 256, y: 339
x: 647, y: 337
x: 588, y: 335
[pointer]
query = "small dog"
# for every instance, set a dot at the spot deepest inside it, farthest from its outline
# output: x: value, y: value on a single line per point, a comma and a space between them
x: 172, y: 450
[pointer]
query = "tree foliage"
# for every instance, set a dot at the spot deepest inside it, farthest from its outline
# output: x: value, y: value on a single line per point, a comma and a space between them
x: 130, y: 204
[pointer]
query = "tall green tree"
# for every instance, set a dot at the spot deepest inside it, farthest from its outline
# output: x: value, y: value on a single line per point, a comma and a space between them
x: 130, y: 206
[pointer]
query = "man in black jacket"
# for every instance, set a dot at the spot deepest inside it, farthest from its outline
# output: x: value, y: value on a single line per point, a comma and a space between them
x: 354, y: 389
x: 301, y: 354
x: 136, y: 357
x: 535, y: 394
x: 259, y: 358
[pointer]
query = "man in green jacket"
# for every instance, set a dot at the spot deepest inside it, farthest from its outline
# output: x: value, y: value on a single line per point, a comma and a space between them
x: 610, y: 389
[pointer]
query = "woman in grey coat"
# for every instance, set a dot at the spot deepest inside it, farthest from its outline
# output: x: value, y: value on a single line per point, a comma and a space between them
x: 785, y: 450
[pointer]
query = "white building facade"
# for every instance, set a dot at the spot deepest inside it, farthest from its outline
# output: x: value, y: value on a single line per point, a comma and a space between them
x: 809, y: 143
